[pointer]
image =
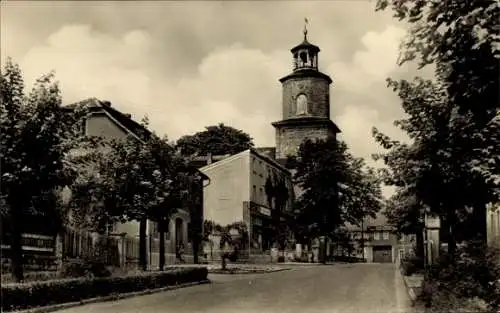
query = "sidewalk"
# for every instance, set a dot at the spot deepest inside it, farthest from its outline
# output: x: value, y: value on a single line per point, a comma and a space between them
x: 413, y: 285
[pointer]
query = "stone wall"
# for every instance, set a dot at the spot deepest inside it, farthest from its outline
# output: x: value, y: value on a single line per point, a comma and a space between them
x: 288, y: 139
x: 317, y: 91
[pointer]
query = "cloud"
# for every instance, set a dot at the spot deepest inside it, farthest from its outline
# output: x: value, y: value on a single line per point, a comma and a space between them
x: 233, y: 83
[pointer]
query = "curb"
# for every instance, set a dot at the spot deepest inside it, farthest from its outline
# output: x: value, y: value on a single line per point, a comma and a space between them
x: 68, y: 305
x: 249, y: 272
x: 410, y: 291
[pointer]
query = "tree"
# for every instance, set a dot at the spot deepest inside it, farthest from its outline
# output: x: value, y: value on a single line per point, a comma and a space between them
x: 461, y: 39
x: 336, y: 188
x: 136, y: 180
x: 434, y: 166
x: 406, y: 214
x: 458, y: 142
x: 343, y: 241
x: 216, y: 140
x: 233, y: 238
x: 36, y: 134
x: 278, y: 195
x: 208, y: 230
x: 191, y: 183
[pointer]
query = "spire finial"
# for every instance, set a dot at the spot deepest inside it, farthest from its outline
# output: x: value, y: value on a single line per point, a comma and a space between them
x: 306, y: 22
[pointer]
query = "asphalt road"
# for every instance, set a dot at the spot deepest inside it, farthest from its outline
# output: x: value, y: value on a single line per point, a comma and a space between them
x: 341, y: 288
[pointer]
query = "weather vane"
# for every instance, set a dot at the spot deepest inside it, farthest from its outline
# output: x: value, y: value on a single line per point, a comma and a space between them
x: 306, y: 22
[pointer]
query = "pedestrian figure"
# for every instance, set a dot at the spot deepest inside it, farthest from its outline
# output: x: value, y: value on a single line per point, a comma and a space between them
x: 180, y: 253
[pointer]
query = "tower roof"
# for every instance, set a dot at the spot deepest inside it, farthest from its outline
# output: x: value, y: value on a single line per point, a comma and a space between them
x: 306, y: 44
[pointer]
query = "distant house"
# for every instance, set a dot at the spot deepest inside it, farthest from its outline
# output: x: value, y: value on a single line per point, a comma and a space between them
x: 380, y: 242
x: 239, y: 191
x: 105, y: 121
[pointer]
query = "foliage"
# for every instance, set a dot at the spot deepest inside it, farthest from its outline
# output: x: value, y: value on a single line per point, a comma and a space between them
x: 85, y: 268
x: 461, y: 39
x: 216, y: 140
x: 343, y: 240
x: 473, y: 272
x: 278, y: 196
x: 411, y: 265
x: 36, y: 134
x: 36, y: 294
x: 226, y: 237
x: 337, y: 188
x: 235, y: 243
x: 454, y: 121
x: 135, y: 180
x: 130, y: 179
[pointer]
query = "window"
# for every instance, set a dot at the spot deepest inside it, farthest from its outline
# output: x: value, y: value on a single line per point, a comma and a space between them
x: 261, y: 195
x: 385, y: 235
x: 376, y: 235
x: 254, y: 193
x: 301, y: 104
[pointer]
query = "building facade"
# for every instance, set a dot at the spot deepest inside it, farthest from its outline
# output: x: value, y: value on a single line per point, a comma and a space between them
x: 380, y: 244
x: 241, y: 189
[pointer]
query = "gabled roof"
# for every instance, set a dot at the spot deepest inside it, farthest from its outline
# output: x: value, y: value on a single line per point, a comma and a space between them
x: 251, y: 151
x: 123, y: 120
x: 255, y: 152
x: 379, y: 223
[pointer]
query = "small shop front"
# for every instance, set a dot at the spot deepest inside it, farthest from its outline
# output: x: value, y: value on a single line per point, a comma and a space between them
x: 261, y: 230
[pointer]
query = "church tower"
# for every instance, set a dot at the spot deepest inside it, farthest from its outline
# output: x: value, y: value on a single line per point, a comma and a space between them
x: 306, y: 102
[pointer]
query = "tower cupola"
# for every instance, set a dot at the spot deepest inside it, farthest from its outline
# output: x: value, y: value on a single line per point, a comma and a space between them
x: 305, y: 55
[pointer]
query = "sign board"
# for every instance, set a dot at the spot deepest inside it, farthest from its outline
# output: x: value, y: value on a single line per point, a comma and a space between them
x: 265, y: 211
x: 432, y: 222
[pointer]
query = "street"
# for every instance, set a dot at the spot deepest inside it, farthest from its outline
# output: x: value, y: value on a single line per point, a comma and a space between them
x: 349, y: 288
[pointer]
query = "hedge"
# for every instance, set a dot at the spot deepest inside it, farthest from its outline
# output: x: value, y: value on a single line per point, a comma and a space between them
x: 43, y: 293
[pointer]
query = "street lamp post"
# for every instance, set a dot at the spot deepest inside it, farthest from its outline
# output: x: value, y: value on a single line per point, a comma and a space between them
x: 363, y: 238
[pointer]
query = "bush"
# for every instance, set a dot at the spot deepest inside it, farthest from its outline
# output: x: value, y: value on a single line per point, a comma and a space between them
x: 281, y: 259
x: 472, y: 273
x: 411, y: 265
x: 36, y: 294
x: 29, y: 276
x: 301, y: 259
x: 85, y: 268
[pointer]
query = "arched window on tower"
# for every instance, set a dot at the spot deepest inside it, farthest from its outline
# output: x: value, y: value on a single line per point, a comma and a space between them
x: 301, y: 105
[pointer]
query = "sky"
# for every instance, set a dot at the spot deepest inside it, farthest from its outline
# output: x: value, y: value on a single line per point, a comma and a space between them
x: 191, y: 64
